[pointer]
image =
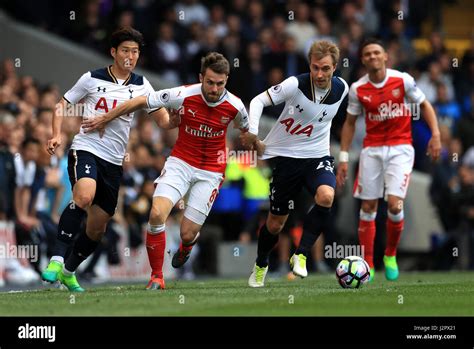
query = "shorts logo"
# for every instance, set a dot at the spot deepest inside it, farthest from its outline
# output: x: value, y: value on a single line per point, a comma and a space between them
x: 225, y: 120
x: 276, y: 88
x: 396, y: 93
x: 165, y: 97
x: 88, y: 167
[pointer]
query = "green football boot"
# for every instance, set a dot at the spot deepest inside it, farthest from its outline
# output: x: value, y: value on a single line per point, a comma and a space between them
x: 391, y: 267
x: 50, y: 274
x: 70, y: 282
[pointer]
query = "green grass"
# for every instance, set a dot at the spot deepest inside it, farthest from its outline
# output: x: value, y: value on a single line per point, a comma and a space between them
x: 424, y: 294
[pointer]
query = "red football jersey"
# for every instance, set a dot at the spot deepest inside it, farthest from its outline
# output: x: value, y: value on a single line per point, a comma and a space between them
x: 386, y: 107
x: 202, y: 132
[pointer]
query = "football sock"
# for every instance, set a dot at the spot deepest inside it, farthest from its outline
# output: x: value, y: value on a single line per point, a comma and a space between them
x: 315, y: 223
x: 82, y: 249
x: 266, y: 242
x: 155, y: 248
x: 366, y: 233
x: 69, y: 225
x: 394, y: 232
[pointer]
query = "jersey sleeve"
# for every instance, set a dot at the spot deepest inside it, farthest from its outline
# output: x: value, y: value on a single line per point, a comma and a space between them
x: 412, y: 91
x: 354, y: 106
x: 171, y: 98
x: 283, y: 91
x: 79, y: 90
x: 149, y: 89
x: 242, y: 118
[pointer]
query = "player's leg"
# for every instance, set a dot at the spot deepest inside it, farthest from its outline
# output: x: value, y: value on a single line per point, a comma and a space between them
x: 84, y: 246
x: 82, y: 171
x: 171, y: 186
x: 321, y: 183
x: 103, y: 208
x: 369, y: 188
x: 267, y: 240
x: 202, y: 195
x: 285, y: 184
x: 156, y: 235
x: 395, y: 224
x: 366, y: 232
x: 189, y: 233
x: 397, y: 177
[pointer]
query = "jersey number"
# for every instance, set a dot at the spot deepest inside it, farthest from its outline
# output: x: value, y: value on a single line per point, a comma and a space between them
x: 326, y: 164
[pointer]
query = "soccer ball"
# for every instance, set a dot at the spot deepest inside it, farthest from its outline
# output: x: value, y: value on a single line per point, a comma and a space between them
x: 352, y: 272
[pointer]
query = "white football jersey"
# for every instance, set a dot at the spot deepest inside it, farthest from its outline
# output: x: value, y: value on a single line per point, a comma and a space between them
x: 101, y: 92
x: 303, y: 128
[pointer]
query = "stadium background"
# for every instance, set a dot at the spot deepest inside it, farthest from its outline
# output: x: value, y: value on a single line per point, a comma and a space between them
x: 47, y: 45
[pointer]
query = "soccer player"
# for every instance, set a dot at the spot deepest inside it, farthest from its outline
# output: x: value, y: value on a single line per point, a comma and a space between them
x: 387, y: 156
x: 198, y: 160
x: 298, y: 149
x: 95, y: 159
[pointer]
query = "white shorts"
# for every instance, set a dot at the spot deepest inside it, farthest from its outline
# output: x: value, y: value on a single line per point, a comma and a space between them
x: 384, y: 168
x: 178, y: 177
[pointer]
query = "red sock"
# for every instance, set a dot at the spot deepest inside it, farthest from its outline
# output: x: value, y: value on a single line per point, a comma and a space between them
x: 394, y: 231
x: 366, y: 240
x: 155, y: 247
x: 186, y: 248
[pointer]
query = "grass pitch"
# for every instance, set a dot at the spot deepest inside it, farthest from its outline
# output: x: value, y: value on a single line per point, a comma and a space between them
x: 415, y: 294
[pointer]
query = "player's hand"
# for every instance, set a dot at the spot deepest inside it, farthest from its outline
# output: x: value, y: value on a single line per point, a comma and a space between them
x: 53, y: 143
x: 341, y: 176
x: 175, y: 118
x: 260, y: 147
x: 248, y: 139
x: 434, y: 147
x: 97, y: 123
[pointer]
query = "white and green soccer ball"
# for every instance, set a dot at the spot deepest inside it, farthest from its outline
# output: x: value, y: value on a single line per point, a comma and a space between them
x: 352, y: 272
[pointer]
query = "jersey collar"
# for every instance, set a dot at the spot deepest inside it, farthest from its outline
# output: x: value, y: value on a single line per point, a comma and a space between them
x: 114, y: 78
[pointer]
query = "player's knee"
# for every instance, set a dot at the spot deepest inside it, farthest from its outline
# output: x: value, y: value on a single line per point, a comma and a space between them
x: 395, y: 209
x: 369, y: 206
x: 325, y: 197
x: 275, y: 226
x: 157, y: 216
x: 83, y: 200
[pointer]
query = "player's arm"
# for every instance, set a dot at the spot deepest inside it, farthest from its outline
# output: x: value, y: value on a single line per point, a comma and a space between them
x: 98, y: 122
x: 57, y: 122
x: 354, y: 108
x: 165, y: 119
x: 273, y: 96
x: 429, y: 115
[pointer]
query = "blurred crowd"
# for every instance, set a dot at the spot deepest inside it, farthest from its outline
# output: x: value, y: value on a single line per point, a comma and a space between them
x: 265, y: 42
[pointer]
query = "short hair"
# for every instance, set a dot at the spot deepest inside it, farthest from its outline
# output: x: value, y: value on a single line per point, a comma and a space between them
x: 370, y: 41
x: 324, y: 48
x: 216, y: 62
x: 126, y: 34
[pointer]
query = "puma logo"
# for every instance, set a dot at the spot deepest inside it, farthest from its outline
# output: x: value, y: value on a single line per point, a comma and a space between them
x: 192, y: 112
x: 367, y: 98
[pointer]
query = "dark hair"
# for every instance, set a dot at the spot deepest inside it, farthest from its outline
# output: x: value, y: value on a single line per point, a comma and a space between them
x: 126, y: 34
x: 29, y: 140
x: 216, y: 62
x: 370, y: 41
